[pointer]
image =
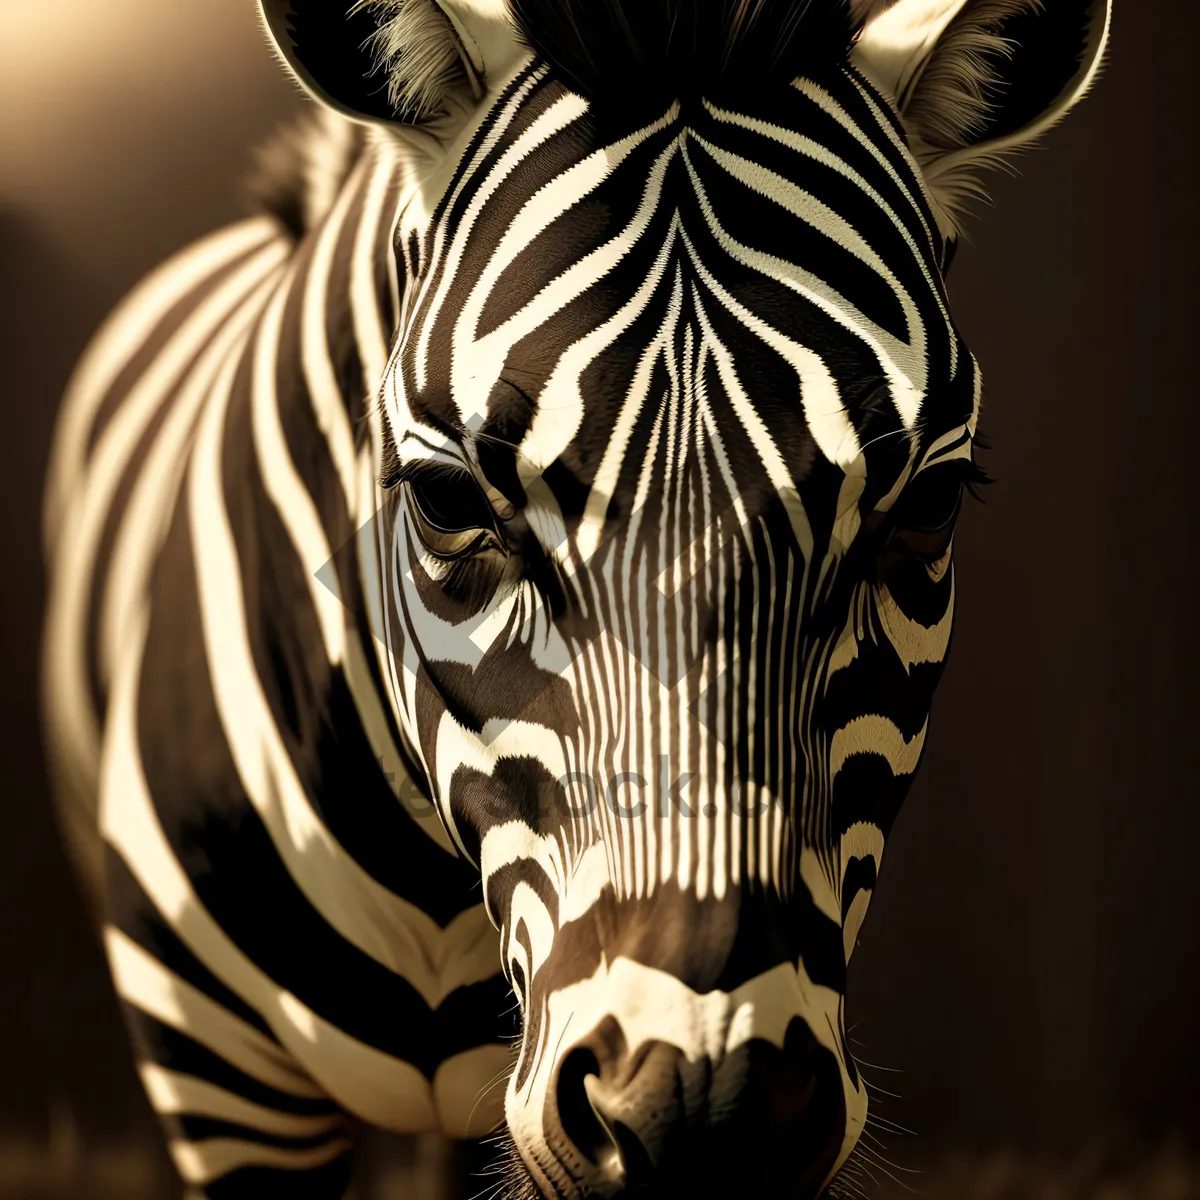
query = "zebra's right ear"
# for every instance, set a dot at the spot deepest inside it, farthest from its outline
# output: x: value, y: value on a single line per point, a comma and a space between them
x: 378, y: 61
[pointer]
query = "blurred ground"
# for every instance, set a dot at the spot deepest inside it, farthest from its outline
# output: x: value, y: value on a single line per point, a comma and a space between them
x: 420, y: 1169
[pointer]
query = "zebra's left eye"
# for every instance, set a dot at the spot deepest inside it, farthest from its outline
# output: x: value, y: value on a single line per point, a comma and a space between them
x: 451, y: 515
x: 924, y: 531
x: 920, y: 528
x: 931, y: 503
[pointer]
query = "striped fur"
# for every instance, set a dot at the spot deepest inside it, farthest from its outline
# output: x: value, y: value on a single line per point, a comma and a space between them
x: 522, y: 565
x: 694, y: 506
x: 332, y: 956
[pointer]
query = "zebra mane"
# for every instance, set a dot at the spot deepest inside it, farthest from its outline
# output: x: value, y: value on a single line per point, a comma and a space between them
x: 300, y: 169
x: 640, y: 54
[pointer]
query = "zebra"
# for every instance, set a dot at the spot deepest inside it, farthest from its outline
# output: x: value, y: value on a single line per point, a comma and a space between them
x: 498, y: 588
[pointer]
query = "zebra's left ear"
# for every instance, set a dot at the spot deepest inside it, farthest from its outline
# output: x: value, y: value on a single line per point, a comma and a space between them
x: 976, y: 80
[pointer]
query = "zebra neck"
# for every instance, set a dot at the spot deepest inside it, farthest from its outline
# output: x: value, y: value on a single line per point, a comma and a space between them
x: 321, y: 351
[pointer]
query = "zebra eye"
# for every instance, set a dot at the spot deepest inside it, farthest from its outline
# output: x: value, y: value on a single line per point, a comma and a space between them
x: 924, y: 531
x: 920, y: 527
x: 931, y: 502
x: 451, y: 515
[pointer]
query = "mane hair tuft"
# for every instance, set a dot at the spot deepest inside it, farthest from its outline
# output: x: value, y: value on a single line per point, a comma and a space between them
x: 642, y: 54
x: 299, y: 170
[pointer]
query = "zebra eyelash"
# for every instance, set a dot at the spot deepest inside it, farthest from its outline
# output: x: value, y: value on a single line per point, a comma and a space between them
x: 978, y: 476
x: 420, y: 468
x: 975, y: 476
x: 922, y: 508
x: 971, y: 473
x: 471, y: 580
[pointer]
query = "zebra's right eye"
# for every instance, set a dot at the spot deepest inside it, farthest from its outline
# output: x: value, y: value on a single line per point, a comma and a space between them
x: 451, y: 515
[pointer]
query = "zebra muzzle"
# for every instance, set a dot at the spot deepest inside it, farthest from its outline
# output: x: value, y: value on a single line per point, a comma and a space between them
x: 648, y: 1120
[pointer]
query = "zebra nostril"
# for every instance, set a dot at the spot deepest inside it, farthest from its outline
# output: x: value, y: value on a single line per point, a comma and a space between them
x: 579, y: 1122
x: 582, y: 1120
x: 632, y: 1163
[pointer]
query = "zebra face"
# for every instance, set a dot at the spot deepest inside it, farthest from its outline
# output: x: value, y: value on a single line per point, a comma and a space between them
x: 675, y: 432
x: 681, y: 427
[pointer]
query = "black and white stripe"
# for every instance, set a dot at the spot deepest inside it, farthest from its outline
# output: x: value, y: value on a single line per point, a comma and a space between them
x: 286, y: 922
x: 542, y: 525
x: 693, y: 473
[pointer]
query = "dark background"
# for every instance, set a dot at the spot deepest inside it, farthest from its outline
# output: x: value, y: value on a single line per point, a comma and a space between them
x: 1031, y: 966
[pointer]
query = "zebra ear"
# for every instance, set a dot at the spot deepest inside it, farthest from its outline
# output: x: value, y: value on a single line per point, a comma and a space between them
x: 380, y: 61
x: 976, y: 80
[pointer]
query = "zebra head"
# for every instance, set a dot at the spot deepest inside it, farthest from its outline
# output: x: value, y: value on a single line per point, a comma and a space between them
x: 673, y: 437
